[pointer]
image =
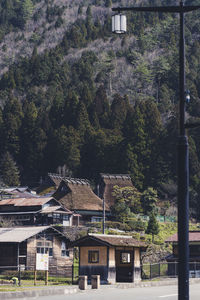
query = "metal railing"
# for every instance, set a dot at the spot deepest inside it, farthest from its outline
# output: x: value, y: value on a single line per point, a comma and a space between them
x: 168, y: 269
x: 27, y: 276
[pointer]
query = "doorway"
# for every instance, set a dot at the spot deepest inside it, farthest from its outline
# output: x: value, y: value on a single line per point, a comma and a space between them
x: 124, y: 265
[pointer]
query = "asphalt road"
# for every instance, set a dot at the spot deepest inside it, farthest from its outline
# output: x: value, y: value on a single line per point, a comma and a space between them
x: 150, y: 293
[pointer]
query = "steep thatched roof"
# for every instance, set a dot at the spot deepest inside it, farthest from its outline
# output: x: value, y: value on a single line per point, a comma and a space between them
x: 76, y: 194
x: 108, y: 181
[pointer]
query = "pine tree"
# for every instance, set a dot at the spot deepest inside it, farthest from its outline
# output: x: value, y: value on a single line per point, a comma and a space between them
x: 149, y: 200
x: 108, y: 3
x: 12, y: 118
x: 153, y: 226
x: 9, y: 171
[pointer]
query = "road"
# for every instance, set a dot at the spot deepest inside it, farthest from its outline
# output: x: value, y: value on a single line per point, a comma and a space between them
x: 146, y: 293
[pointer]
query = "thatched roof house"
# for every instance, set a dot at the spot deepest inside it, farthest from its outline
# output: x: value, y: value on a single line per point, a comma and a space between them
x: 77, y: 195
x: 50, y: 184
x: 108, y: 181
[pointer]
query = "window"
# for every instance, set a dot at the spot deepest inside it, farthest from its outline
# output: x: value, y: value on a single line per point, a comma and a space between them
x: 125, y: 257
x: 23, y: 218
x: 64, y: 249
x: 93, y: 256
x: 56, y: 216
x: 66, y: 217
x: 45, y: 244
x: 45, y: 250
x: 96, y: 219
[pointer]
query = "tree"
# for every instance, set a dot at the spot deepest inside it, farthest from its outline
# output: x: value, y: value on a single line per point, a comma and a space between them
x: 127, y: 202
x: 153, y: 226
x: 108, y: 3
x: 149, y: 200
x: 119, y: 109
x: 12, y: 118
x: 9, y: 170
x: 27, y: 9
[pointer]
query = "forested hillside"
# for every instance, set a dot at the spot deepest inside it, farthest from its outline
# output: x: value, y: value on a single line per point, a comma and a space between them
x: 77, y: 98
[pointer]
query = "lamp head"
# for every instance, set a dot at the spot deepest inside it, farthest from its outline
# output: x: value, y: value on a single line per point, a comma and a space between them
x: 187, y: 96
x: 119, y: 23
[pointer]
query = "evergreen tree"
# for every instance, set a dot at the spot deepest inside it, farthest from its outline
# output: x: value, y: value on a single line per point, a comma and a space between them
x: 119, y: 108
x: 12, y: 118
x: 82, y: 122
x: 108, y: 3
x: 153, y: 226
x: 149, y: 199
x: 101, y: 107
x: 27, y: 9
x: 9, y: 171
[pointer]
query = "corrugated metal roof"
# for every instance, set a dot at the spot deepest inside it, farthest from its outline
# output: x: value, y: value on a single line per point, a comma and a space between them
x: 194, y: 236
x: 19, y: 234
x: 25, y: 201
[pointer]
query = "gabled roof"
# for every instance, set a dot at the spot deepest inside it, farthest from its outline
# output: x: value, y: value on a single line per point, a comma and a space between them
x: 26, y: 201
x: 16, y: 188
x: 55, y: 178
x: 194, y: 236
x: 112, y: 178
x: 20, y: 234
x: 56, y: 209
x: 78, y: 195
x: 109, y: 240
x: 109, y: 181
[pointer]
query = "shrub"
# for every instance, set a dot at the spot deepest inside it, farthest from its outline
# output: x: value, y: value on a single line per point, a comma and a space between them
x: 137, y: 225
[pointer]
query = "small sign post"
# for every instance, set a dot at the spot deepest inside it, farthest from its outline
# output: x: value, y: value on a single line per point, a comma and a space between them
x: 42, y: 264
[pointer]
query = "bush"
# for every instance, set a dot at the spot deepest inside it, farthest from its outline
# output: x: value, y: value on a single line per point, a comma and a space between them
x: 137, y: 225
x: 118, y: 225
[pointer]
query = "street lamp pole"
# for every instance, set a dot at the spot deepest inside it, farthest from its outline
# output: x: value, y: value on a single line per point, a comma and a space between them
x: 119, y: 26
x: 183, y: 176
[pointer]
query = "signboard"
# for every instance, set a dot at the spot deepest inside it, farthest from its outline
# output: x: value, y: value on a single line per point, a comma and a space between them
x: 42, y: 261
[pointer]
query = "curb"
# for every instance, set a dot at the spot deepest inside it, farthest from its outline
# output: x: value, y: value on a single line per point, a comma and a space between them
x: 37, y: 293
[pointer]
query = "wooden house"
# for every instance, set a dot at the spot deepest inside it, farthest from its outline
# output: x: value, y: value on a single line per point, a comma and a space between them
x: 106, y: 184
x: 35, y: 211
x: 19, y: 246
x: 115, y: 258
x: 194, y: 252
x: 77, y: 195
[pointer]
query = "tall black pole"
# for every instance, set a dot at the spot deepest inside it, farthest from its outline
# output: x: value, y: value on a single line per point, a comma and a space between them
x: 183, y: 152
x: 104, y: 216
x: 183, y: 177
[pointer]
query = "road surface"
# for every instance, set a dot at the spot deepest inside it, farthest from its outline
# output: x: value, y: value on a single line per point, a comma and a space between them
x: 146, y: 293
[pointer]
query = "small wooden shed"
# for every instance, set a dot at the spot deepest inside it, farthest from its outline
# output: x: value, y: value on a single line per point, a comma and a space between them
x: 115, y: 258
